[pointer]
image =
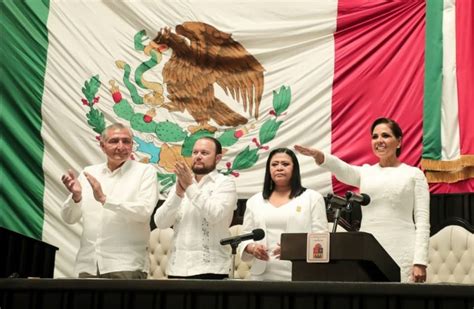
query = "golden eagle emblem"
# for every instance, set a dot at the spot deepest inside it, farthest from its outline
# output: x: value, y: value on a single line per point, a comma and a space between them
x: 203, y: 56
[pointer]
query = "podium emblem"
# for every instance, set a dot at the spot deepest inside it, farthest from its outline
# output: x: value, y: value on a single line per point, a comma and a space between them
x: 317, y: 248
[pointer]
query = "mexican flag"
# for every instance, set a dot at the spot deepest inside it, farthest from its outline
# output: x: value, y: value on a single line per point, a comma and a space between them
x: 264, y: 74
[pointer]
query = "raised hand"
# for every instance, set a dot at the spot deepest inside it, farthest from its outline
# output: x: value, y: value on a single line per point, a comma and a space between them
x: 72, y: 185
x: 311, y: 152
x: 96, y: 188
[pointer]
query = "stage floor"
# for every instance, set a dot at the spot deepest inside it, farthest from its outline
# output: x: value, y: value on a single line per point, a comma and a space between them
x: 238, y: 294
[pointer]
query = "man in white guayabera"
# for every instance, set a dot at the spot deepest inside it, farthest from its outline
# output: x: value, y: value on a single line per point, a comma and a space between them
x: 200, y: 208
x: 113, y: 201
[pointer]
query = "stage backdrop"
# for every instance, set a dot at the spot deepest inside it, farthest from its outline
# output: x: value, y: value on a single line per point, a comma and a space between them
x: 255, y: 74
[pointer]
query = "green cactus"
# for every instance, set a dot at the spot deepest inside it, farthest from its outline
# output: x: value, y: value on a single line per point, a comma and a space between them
x: 228, y: 138
x: 124, y: 110
x: 170, y: 132
x: 137, y: 123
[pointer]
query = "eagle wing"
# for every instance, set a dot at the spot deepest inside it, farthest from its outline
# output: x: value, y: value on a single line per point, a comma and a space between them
x: 240, y: 74
x: 231, y: 65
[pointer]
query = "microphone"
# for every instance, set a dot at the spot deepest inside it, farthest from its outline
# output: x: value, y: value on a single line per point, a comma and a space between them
x: 256, y: 234
x: 336, y: 200
x: 361, y: 199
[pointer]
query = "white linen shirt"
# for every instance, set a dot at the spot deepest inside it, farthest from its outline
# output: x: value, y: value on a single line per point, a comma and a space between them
x: 200, y: 220
x: 115, y: 235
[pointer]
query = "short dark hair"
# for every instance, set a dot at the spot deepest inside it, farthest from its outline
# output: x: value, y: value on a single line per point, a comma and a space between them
x: 394, y: 126
x: 295, y: 181
x: 215, y: 141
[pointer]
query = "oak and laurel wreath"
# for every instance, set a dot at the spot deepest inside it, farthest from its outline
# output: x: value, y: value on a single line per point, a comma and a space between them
x: 169, y: 132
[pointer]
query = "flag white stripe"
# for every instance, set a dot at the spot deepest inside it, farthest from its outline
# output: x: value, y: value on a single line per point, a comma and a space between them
x: 449, y: 98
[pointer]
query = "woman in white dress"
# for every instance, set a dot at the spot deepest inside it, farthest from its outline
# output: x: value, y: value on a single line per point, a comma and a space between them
x: 284, y: 206
x: 398, y: 214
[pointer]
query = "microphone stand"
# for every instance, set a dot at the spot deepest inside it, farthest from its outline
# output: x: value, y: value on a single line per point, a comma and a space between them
x: 234, y: 242
x: 337, y: 215
x: 234, y: 246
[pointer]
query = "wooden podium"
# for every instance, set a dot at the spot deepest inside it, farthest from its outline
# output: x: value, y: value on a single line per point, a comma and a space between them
x: 24, y: 257
x: 354, y: 256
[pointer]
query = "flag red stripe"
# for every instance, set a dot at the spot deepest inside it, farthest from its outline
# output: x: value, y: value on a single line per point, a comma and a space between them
x: 379, y: 71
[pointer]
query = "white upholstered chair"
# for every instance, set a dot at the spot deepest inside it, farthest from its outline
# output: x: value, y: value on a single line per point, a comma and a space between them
x: 159, y: 246
x: 451, y: 256
x: 241, y: 269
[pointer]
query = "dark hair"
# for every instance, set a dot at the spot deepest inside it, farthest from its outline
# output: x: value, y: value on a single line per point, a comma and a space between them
x: 295, y: 181
x: 394, y: 126
x: 216, y: 143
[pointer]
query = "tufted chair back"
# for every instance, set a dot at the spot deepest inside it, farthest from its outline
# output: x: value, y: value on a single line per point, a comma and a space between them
x: 451, y: 256
x: 159, y: 245
x: 241, y: 269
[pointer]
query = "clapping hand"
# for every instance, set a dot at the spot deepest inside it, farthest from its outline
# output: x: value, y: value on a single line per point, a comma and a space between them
x: 96, y: 188
x: 184, y: 177
x: 72, y: 185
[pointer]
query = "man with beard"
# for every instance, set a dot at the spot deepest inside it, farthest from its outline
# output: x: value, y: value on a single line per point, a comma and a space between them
x: 113, y: 201
x: 200, y: 208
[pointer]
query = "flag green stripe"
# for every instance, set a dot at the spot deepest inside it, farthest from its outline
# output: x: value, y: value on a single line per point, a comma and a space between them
x: 24, y: 52
x: 433, y: 80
